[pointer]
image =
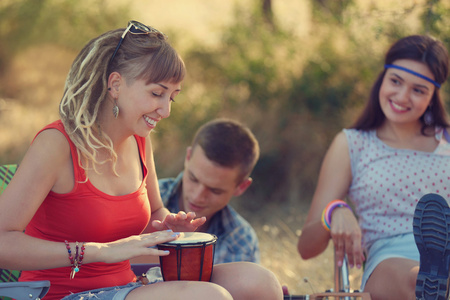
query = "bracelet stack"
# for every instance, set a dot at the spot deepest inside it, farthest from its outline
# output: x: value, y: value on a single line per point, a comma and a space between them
x: 328, y: 210
x: 77, y: 260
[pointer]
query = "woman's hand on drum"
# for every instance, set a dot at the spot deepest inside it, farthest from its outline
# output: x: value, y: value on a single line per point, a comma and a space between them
x: 346, y: 235
x: 181, y: 222
x: 136, y: 245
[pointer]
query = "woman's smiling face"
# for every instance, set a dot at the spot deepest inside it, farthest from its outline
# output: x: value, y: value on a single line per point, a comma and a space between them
x: 404, y: 97
x: 144, y: 105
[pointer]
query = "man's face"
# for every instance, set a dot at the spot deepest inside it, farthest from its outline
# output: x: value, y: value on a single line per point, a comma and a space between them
x: 207, y: 187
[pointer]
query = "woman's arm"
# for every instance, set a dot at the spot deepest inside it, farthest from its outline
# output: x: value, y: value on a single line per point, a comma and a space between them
x: 158, y: 211
x: 40, y: 171
x: 161, y: 218
x: 47, y: 166
x: 333, y: 183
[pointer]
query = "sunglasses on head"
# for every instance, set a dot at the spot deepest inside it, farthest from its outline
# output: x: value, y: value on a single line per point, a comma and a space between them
x: 134, y: 27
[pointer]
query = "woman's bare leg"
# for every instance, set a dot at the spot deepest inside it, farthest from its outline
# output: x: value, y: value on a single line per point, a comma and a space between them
x: 231, y: 281
x: 393, y: 278
x: 247, y: 281
x: 174, y: 290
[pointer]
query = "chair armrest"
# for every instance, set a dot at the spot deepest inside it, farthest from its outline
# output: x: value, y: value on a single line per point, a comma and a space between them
x: 25, y: 290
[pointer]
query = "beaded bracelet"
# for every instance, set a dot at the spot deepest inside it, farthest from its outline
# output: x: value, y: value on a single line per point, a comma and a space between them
x: 328, y: 210
x: 76, y: 261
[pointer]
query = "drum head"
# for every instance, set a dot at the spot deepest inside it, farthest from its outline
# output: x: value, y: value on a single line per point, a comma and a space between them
x: 193, y: 238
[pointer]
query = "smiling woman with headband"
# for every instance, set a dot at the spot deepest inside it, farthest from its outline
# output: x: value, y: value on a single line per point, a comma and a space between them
x: 397, y: 152
x: 85, y: 199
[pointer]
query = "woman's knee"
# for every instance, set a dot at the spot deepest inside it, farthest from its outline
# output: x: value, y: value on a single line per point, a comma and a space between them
x: 247, y: 281
x: 207, y: 291
x: 198, y: 290
x: 394, y: 278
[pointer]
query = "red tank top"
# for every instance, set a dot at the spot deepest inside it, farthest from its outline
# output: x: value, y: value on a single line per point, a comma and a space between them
x: 88, y: 215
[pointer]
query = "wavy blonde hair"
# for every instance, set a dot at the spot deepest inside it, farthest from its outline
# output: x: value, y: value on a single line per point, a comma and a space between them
x: 142, y: 56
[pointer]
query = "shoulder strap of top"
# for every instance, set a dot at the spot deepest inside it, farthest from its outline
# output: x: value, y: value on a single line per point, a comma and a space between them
x: 141, y: 145
x: 79, y: 173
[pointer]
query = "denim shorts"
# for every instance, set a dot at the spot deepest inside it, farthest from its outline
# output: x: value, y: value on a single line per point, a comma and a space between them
x: 117, y: 292
x: 111, y: 293
x: 402, y: 246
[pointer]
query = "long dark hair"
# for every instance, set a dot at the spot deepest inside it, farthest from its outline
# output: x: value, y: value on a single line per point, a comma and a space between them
x: 420, y: 48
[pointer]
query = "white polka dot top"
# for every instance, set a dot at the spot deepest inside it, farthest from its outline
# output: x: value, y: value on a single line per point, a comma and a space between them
x: 387, y: 182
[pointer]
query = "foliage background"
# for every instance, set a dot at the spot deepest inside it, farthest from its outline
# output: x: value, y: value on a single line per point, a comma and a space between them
x: 296, y: 73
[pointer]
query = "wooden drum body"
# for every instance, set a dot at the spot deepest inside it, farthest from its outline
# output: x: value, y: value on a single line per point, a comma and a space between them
x: 191, y: 257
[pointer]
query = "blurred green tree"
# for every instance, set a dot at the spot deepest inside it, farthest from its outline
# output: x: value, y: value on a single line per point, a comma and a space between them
x: 68, y: 23
x: 295, y: 93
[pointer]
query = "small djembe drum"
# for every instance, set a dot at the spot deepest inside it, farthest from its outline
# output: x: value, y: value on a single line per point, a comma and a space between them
x: 191, y: 257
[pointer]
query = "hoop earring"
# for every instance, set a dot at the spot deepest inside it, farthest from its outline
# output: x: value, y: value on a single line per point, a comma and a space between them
x: 115, y: 109
x: 428, y: 118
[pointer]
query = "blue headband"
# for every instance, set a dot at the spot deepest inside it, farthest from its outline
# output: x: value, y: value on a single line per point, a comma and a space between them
x: 414, y: 73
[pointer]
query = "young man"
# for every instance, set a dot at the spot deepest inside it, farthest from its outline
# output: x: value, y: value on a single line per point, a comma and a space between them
x: 217, y: 167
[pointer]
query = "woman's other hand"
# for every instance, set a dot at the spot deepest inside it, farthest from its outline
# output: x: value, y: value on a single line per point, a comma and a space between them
x: 181, y: 222
x: 133, y: 246
x: 346, y: 235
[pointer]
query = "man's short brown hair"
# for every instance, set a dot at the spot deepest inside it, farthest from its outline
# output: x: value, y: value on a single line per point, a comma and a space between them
x: 229, y: 144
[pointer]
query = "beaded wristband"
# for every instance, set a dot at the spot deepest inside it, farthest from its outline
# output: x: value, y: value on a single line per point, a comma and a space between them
x: 328, y: 210
x: 80, y: 257
x: 76, y: 261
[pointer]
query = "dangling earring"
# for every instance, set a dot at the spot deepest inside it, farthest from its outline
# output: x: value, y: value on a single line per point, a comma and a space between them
x: 428, y: 118
x: 115, y: 109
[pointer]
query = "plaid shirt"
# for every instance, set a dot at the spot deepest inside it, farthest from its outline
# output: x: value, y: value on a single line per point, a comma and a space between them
x: 236, y: 239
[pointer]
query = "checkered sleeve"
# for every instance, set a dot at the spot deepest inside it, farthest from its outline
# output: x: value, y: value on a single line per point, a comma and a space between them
x: 239, y: 245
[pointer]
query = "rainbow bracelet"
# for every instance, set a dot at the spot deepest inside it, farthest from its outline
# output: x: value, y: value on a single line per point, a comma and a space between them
x: 328, y: 210
x: 325, y: 224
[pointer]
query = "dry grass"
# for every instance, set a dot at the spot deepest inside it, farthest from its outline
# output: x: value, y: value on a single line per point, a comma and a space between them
x: 278, y: 231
